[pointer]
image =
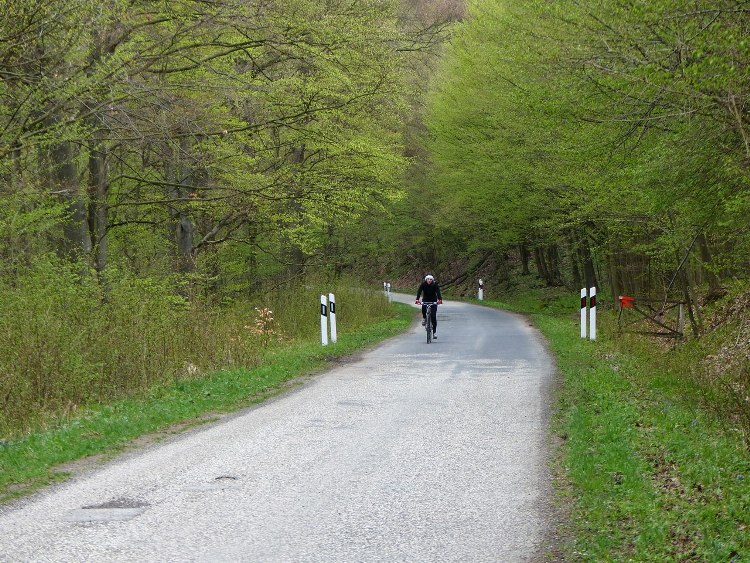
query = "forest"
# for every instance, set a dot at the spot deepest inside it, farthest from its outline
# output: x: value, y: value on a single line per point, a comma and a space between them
x: 172, y: 171
x: 597, y: 143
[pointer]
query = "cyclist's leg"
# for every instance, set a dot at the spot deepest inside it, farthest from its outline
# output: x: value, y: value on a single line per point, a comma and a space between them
x: 434, y: 318
x: 424, y: 314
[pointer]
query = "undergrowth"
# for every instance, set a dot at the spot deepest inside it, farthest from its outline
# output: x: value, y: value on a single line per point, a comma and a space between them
x: 68, y: 340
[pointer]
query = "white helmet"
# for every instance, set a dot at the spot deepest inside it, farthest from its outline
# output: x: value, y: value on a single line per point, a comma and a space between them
x: 429, y: 277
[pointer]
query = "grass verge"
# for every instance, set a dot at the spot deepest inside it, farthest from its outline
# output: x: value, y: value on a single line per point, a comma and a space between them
x: 36, y: 460
x: 645, y: 473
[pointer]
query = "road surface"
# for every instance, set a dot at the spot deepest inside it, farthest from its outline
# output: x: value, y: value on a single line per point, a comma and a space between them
x: 413, y: 452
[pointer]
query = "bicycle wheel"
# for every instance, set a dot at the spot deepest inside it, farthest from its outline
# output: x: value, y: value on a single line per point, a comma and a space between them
x: 428, y: 326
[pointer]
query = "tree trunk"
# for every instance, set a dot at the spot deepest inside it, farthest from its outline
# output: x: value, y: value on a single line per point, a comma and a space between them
x: 576, y: 272
x: 76, y: 241
x: 688, y: 296
x: 541, y: 267
x: 694, y: 313
x: 184, y: 232
x: 553, y: 266
x: 297, y: 256
x: 715, y: 289
x: 589, y: 271
x: 98, y: 213
x: 524, y: 252
x: 179, y: 174
x: 104, y: 41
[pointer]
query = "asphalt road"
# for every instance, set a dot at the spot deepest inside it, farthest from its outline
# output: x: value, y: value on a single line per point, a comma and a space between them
x: 413, y: 452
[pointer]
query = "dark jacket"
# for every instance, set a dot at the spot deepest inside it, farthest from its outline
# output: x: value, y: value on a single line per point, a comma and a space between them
x: 431, y: 291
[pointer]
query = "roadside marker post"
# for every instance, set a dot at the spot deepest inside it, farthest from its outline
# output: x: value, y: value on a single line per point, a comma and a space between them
x: 332, y: 313
x: 583, y: 312
x: 480, y: 293
x: 323, y: 320
x: 589, y: 295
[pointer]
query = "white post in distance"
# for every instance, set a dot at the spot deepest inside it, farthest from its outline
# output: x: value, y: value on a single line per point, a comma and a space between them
x: 332, y: 313
x: 323, y: 320
x: 583, y: 312
x: 480, y: 293
x: 592, y: 313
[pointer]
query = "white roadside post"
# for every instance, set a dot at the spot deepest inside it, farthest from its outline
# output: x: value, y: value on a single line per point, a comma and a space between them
x: 323, y: 321
x: 332, y: 312
x: 481, y: 290
x: 592, y: 313
x: 385, y: 287
x: 583, y: 312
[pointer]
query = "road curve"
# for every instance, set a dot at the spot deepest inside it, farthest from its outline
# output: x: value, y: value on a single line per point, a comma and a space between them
x: 414, y: 452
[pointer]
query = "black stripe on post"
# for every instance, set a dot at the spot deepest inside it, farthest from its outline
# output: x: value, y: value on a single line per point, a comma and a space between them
x: 583, y: 302
x: 322, y: 310
x: 332, y: 307
x: 593, y: 301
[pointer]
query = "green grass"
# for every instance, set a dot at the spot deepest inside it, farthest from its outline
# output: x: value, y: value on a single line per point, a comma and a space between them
x: 29, y: 463
x: 646, y: 474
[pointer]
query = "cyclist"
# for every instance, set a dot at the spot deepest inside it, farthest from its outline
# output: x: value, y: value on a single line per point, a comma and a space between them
x: 430, y: 289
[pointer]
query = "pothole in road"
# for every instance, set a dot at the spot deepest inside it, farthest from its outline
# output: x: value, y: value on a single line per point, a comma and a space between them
x: 220, y: 483
x: 118, y: 503
x: 354, y: 403
x: 116, y: 510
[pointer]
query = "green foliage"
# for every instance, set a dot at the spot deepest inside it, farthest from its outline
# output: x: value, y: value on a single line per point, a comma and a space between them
x: 609, y: 128
x: 488, y: 135
x: 266, y: 127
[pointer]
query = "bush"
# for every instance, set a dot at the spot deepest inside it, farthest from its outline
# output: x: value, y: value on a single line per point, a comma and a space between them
x: 69, y: 339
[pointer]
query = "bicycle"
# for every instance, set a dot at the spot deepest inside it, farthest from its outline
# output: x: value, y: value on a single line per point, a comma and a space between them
x: 428, y: 319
